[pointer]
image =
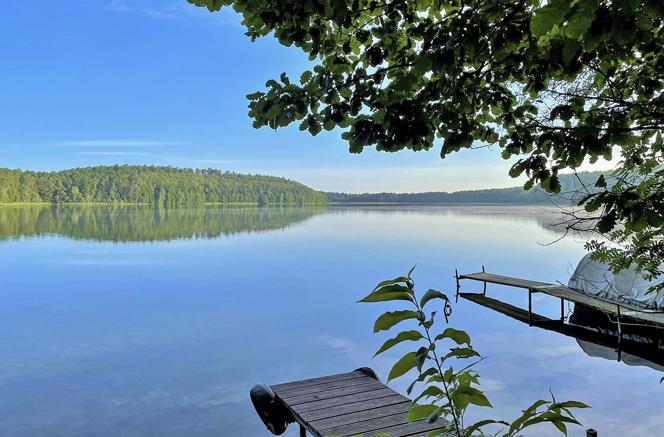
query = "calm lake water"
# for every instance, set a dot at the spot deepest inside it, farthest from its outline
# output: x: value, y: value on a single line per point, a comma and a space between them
x: 136, y: 322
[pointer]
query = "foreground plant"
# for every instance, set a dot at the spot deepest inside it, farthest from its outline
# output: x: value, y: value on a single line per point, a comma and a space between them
x: 446, y: 393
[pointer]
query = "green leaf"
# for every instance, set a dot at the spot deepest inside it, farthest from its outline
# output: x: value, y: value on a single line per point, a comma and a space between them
x: 570, y: 49
x: 582, y: 17
x: 405, y: 363
x: 389, y: 319
x: 601, y: 182
x: 444, y: 410
x: 304, y: 77
x: 471, y: 395
x: 462, y: 352
x: 401, y: 337
x: 392, y: 288
x: 389, y: 292
x: 570, y: 404
x: 428, y: 323
x: 410, y: 272
x: 430, y: 392
x: 555, y: 418
x: 459, y: 337
x: 384, y: 297
x: 420, y: 357
x: 560, y: 425
x: 527, y: 414
x: 430, y: 295
x: 468, y: 432
x: 429, y: 372
x: 391, y: 282
x: 255, y: 96
x: 419, y: 412
x: 545, y: 18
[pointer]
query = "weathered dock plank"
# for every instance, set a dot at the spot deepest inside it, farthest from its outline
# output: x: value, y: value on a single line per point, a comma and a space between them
x: 327, y: 394
x: 320, y: 380
x: 354, y: 403
x: 378, y: 415
x: 346, y: 400
x: 352, y: 407
x: 503, y: 280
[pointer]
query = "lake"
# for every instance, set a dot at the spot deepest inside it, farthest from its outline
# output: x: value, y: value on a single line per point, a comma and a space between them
x: 129, y: 321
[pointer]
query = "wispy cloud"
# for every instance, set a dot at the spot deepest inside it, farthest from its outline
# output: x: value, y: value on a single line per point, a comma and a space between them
x: 111, y: 154
x: 118, y: 6
x: 116, y: 143
x: 340, y: 345
x: 557, y: 351
x: 219, y: 161
x: 173, y: 10
x: 493, y: 385
x: 124, y: 7
x: 107, y: 262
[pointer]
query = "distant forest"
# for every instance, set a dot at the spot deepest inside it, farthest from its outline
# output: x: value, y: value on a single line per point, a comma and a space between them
x: 517, y: 195
x: 170, y: 185
x: 151, y: 185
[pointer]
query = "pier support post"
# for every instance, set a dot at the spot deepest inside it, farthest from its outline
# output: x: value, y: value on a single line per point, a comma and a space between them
x: 303, y: 431
x: 562, y: 309
x: 530, y: 307
x: 591, y: 433
x: 619, y: 333
x: 458, y: 286
x: 484, y: 288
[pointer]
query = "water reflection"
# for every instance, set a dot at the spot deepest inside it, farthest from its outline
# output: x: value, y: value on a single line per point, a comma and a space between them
x: 167, y: 338
x: 548, y: 218
x: 636, y: 345
x: 143, y: 223
x: 125, y: 223
x: 596, y: 334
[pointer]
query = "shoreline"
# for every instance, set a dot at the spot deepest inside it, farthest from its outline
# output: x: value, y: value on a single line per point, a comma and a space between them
x: 272, y: 204
x: 152, y: 204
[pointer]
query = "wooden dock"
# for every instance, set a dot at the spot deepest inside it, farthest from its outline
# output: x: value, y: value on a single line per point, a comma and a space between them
x: 350, y: 404
x: 618, y: 309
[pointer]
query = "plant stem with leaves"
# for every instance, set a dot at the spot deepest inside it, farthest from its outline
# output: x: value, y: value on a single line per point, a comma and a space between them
x: 449, y: 393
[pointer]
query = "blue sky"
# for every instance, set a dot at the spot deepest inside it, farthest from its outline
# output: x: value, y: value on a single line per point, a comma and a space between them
x: 89, y: 82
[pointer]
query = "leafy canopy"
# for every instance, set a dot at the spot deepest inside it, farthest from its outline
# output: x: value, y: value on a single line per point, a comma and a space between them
x: 550, y: 82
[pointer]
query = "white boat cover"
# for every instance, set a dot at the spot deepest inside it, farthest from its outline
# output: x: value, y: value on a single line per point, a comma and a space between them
x: 629, y: 286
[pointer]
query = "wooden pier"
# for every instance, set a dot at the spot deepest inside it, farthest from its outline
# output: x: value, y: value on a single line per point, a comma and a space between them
x: 350, y: 404
x: 618, y: 309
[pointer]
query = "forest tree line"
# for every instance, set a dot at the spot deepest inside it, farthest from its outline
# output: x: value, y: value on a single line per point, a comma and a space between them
x: 573, y: 187
x: 151, y: 185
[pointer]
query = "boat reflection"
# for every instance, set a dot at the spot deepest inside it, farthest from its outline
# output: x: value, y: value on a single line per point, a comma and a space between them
x: 637, y: 345
x: 595, y: 332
